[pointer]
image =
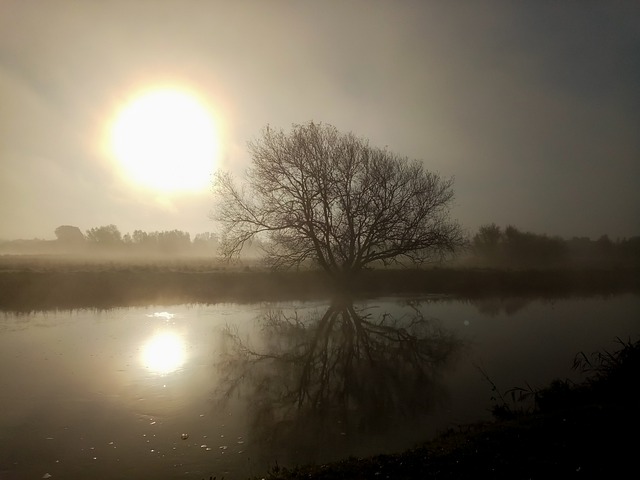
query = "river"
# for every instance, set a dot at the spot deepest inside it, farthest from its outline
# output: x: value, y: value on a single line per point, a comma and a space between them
x: 193, y: 391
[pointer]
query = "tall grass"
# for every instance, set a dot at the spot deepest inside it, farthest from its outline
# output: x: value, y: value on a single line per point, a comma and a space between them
x: 42, y: 283
x: 611, y: 377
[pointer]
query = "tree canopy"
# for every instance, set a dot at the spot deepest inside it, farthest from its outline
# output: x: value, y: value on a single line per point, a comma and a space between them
x: 316, y: 194
x: 69, y: 234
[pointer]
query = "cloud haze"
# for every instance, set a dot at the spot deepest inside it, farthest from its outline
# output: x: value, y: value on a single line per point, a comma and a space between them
x: 534, y: 107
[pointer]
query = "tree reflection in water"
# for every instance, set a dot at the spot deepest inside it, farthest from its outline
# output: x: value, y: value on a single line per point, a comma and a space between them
x: 320, y: 384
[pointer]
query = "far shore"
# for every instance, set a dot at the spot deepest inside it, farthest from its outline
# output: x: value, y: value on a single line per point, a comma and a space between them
x: 50, y: 283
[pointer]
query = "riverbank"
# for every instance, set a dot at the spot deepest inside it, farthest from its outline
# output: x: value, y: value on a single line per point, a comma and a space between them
x: 586, y: 430
x: 36, y: 283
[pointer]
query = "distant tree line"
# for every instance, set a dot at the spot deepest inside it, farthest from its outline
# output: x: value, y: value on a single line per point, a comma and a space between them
x: 493, y: 246
x: 108, y: 239
x: 168, y: 242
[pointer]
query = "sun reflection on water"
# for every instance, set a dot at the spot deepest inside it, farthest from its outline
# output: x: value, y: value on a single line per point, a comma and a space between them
x: 166, y: 315
x: 163, y: 353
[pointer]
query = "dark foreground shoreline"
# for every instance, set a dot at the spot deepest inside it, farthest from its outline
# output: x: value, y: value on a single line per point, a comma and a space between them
x: 594, y: 442
x: 38, y: 286
x: 585, y: 430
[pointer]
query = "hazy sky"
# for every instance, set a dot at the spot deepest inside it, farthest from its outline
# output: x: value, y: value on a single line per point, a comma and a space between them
x: 533, y: 107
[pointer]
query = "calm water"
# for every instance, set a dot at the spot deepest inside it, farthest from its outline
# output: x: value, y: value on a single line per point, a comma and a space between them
x: 109, y: 394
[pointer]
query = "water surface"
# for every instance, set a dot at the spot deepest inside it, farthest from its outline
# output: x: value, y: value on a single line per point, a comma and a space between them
x: 169, y: 392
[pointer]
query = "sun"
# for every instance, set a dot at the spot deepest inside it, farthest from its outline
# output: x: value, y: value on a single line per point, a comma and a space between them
x: 165, y: 139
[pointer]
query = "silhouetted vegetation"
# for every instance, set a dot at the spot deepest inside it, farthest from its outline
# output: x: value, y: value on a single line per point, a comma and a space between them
x: 583, y: 430
x: 318, y: 197
x: 69, y: 235
x: 611, y: 375
x: 108, y: 286
x: 511, y: 248
x: 491, y: 247
x: 106, y: 269
x: 41, y: 283
x: 108, y: 241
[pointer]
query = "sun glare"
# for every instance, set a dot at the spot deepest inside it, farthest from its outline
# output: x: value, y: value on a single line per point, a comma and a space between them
x: 165, y: 139
x: 163, y: 353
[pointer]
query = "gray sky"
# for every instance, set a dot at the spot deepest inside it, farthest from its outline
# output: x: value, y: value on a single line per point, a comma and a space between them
x: 534, y: 107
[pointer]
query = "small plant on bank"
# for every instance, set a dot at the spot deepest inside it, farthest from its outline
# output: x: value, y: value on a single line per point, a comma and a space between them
x: 610, y: 376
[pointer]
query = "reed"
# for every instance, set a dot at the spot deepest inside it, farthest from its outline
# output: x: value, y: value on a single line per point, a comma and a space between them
x: 32, y: 284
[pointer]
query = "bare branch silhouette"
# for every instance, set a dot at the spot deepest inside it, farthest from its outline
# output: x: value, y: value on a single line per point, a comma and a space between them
x: 323, y: 196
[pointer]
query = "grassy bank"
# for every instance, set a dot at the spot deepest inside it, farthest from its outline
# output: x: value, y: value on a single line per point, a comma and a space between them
x: 28, y: 284
x: 585, y: 430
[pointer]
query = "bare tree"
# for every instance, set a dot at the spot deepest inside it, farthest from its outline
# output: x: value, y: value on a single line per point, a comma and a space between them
x: 320, y: 195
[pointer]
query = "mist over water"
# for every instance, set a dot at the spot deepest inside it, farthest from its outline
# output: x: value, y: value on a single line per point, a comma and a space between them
x: 110, y: 393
